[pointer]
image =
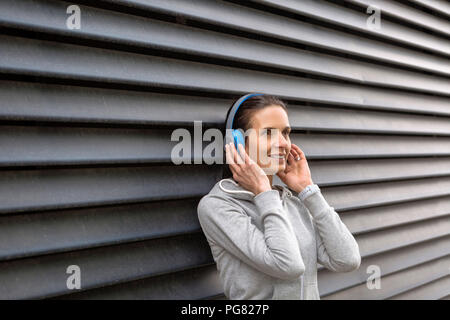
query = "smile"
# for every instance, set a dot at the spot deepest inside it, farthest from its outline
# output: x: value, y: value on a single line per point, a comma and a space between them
x: 276, y: 156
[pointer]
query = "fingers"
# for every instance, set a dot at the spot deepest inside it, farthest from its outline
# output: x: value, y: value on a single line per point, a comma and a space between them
x: 229, y: 154
x: 290, y: 159
x: 232, y: 156
x: 294, y: 153
x: 238, y: 157
x: 244, y: 154
x: 234, y: 168
x: 237, y: 160
x: 298, y: 150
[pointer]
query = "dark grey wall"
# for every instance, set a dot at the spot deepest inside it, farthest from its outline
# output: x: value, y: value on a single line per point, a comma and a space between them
x: 86, y: 117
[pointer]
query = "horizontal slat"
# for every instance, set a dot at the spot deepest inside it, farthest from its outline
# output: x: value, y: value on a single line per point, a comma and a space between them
x: 24, y: 235
x: 131, y: 32
x: 196, y: 283
x: 31, y: 190
x: 26, y: 57
x: 382, y: 241
x: 63, y: 104
x: 342, y: 120
x: 371, y: 219
x: 397, y: 237
x: 345, y: 198
x: 240, y: 18
x: 331, y: 13
x: 438, y: 6
x: 66, y: 145
x: 397, y: 282
x: 27, y: 145
x: 433, y: 290
x: 27, y: 190
x: 389, y: 262
x: 220, y: 296
x: 46, y: 276
x: 340, y: 172
x: 408, y: 14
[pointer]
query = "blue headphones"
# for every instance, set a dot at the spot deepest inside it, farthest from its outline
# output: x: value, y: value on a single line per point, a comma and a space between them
x: 236, y: 134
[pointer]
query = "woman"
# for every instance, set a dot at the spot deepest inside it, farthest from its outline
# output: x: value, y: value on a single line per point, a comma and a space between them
x: 267, y: 239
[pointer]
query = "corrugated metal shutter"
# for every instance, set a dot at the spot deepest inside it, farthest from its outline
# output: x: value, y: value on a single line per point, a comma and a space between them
x: 87, y: 115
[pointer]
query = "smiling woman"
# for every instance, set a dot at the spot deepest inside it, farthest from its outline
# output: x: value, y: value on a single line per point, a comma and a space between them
x: 267, y: 239
x: 256, y: 116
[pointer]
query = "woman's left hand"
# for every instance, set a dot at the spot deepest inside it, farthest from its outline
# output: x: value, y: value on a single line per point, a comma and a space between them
x: 297, y: 175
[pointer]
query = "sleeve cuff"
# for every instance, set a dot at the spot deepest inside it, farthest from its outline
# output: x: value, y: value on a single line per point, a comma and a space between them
x: 315, y: 202
x: 309, y: 190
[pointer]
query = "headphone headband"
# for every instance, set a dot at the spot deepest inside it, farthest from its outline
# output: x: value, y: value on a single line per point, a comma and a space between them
x: 234, y: 109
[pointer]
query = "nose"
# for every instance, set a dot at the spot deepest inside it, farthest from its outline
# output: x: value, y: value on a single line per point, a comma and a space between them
x: 281, y: 142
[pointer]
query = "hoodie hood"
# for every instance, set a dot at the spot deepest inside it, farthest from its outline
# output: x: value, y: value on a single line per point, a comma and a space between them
x: 233, y: 189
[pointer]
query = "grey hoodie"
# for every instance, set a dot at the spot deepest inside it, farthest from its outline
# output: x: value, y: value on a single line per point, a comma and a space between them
x: 267, y: 246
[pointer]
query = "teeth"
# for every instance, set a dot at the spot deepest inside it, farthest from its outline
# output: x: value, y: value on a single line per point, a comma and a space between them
x: 276, y: 156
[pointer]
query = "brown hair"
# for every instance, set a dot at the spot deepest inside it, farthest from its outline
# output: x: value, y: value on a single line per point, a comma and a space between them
x: 243, y: 117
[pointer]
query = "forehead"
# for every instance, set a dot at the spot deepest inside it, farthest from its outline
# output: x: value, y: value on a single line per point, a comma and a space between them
x: 271, y: 116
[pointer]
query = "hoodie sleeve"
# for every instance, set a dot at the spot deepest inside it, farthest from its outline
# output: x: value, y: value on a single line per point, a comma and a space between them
x: 274, y: 251
x: 337, y: 249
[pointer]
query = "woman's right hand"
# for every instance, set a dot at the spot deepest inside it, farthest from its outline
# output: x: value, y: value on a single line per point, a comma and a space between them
x: 246, y: 171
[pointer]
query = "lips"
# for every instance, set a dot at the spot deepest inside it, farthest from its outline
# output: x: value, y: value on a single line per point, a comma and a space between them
x: 277, y: 156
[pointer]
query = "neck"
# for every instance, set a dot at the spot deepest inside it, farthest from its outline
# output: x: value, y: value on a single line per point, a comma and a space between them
x: 270, y: 179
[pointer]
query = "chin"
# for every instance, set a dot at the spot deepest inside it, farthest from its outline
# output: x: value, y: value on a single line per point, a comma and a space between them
x: 281, y: 168
x: 274, y: 168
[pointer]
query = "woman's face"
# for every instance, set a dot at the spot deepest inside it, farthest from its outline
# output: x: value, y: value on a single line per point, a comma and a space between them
x: 269, y: 148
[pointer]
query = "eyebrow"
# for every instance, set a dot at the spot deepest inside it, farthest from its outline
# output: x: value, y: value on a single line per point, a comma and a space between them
x: 277, y: 128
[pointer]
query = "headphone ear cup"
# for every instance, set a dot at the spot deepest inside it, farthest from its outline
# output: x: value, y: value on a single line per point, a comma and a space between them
x: 238, y: 138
